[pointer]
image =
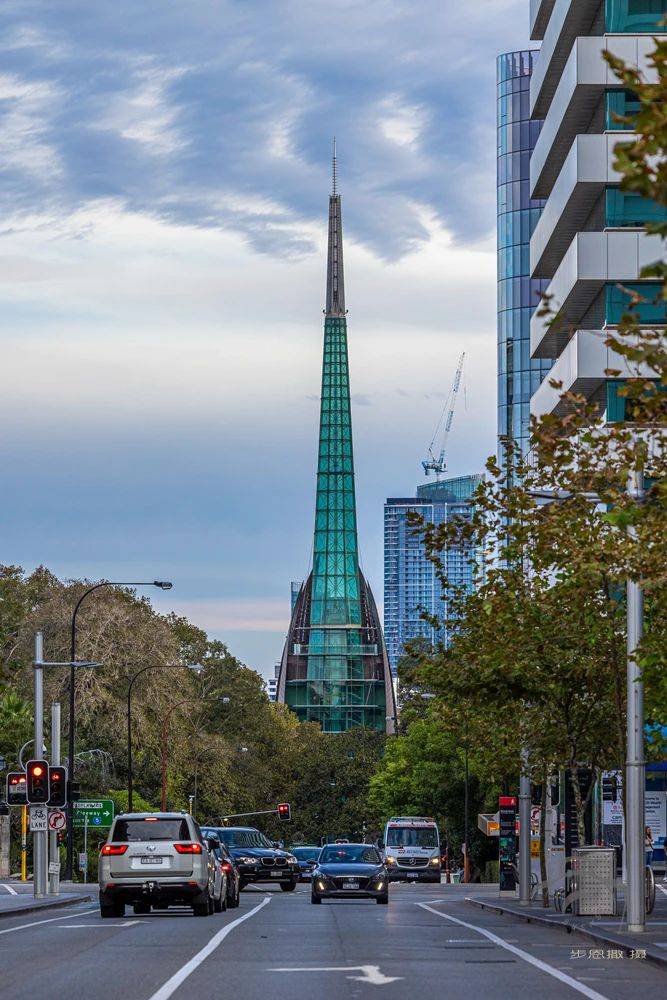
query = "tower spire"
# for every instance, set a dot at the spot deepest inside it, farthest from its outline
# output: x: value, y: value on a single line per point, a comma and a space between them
x: 335, y: 282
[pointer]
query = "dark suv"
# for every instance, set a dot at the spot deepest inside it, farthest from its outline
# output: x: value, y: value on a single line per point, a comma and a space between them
x: 255, y: 856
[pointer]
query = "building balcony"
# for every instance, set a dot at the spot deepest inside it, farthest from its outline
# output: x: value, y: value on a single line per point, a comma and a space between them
x: 540, y: 12
x: 587, y: 170
x: 580, y: 368
x: 569, y: 18
x: 586, y: 76
x: 591, y: 261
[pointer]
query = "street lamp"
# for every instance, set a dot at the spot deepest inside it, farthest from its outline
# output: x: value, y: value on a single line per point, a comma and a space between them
x: 151, y: 666
x: 162, y: 585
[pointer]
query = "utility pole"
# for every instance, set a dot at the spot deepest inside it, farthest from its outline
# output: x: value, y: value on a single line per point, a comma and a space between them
x: 635, y: 777
x: 54, y: 854
x: 524, y: 834
x: 40, y: 859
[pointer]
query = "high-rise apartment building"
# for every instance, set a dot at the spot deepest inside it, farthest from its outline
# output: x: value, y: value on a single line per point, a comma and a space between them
x: 334, y: 669
x: 518, y: 294
x: 589, y: 245
x: 411, y: 586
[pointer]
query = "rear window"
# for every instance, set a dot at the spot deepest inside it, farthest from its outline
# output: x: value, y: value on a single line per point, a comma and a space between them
x: 147, y: 829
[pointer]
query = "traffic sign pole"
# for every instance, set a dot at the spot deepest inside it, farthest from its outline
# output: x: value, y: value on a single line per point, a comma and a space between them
x: 40, y: 860
x: 54, y: 854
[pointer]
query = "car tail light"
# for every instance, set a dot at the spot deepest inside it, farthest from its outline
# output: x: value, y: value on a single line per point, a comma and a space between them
x: 188, y: 848
x: 114, y: 849
x: 226, y: 867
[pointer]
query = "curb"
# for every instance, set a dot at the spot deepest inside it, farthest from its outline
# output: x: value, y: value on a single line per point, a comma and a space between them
x: 569, y: 926
x: 55, y: 904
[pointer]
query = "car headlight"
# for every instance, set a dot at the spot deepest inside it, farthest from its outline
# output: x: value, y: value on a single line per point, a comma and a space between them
x: 243, y: 860
x: 379, y: 885
x: 390, y: 860
x: 435, y: 861
x: 321, y: 884
x: 292, y: 860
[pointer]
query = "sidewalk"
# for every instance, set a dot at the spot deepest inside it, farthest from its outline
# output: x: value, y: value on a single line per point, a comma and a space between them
x: 606, y: 931
x: 16, y: 898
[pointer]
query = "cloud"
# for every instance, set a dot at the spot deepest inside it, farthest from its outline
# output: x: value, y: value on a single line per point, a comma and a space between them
x: 220, y: 113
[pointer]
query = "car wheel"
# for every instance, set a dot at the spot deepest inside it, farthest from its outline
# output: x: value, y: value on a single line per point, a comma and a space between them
x: 289, y: 886
x: 110, y: 907
x: 220, y: 903
x: 211, y: 905
x: 382, y: 899
x: 314, y: 898
x: 200, y: 904
x: 141, y: 908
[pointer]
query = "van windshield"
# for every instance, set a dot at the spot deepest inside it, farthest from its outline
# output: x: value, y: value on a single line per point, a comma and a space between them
x: 411, y: 836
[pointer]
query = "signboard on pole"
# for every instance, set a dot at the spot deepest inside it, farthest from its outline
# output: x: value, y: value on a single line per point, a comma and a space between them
x: 93, y: 812
x: 507, y: 843
x: 57, y: 820
x: 39, y: 819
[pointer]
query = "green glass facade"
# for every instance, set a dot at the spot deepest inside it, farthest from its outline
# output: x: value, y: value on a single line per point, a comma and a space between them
x: 334, y: 669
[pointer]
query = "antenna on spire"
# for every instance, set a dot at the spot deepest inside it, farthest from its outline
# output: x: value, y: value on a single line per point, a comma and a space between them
x: 334, y: 166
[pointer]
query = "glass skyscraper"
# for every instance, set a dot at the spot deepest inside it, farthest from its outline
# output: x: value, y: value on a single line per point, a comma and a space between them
x: 411, y: 586
x: 334, y: 668
x: 518, y: 214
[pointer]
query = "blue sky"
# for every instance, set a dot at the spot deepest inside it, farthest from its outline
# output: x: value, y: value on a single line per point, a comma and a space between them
x: 165, y: 172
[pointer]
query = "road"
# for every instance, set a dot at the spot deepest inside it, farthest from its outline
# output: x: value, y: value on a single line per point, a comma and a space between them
x: 427, y: 943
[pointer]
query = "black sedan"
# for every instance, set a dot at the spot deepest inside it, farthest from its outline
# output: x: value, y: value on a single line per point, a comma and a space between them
x: 350, y: 870
x: 307, y: 858
x: 256, y: 858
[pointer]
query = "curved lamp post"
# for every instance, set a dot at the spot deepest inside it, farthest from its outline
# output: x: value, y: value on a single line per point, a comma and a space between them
x: 163, y: 585
x: 151, y: 666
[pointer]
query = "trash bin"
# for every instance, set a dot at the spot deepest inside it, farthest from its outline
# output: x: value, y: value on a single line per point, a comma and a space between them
x: 593, y: 881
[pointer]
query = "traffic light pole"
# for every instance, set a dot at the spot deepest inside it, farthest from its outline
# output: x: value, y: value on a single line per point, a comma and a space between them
x: 54, y: 854
x: 40, y: 859
x: 635, y: 768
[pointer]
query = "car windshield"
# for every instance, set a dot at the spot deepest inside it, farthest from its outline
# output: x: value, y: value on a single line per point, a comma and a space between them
x: 411, y: 836
x: 244, y: 838
x: 128, y: 830
x: 336, y: 854
x: 305, y: 853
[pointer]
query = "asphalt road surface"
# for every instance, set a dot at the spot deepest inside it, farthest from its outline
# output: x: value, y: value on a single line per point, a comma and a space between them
x: 427, y: 943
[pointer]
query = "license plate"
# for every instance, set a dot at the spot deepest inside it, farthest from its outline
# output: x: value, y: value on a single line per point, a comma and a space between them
x: 350, y: 885
x: 276, y: 874
x: 151, y: 861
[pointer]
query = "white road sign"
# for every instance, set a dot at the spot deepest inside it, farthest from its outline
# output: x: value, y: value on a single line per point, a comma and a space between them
x: 39, y: 819
x: 57, y: 820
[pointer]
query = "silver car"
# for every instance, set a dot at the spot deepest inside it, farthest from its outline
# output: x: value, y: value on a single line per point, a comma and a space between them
x: 155, y: 860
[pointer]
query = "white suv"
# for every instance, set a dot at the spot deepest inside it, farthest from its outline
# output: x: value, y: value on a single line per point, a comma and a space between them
x: 155, y: 860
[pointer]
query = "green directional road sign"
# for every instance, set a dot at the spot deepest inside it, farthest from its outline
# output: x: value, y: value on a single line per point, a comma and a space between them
x: 99, y: 812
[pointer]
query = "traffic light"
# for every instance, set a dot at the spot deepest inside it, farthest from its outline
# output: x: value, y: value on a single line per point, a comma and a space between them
x: 609, y: 787
x: 284, y: 812
x: 16, y: 788
x: 58, y: 783
x: 73, y: 791
x: 37, y: 775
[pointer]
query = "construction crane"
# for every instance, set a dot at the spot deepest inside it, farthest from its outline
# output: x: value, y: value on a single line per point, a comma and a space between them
x: 438, y: 465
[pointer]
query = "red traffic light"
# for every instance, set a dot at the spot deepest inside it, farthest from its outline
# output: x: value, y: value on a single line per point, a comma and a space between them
x: 58, y: 785
x: 37, y: 774
x: 284, y: 811
x: 16, y: 788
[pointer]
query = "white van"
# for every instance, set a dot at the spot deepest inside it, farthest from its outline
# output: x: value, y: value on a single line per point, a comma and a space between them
x: 412, y: 849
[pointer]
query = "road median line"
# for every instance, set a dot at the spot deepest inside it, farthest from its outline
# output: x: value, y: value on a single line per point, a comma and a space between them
x: 186, y: 970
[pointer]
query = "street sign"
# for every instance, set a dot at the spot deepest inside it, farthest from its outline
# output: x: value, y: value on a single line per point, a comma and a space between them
x: 57, y: 820
x: 54, y: 868
x: 83, y: 861
x: 39, y: 819
x: 93, y: 812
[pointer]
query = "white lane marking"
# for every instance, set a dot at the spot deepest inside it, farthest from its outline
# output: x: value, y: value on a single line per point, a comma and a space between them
x: 179, y: 977
x: 10, y: 889
x: 126, y: 923
x: 549, y: 969
x: 36, y: 923
x: 371, y: 973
